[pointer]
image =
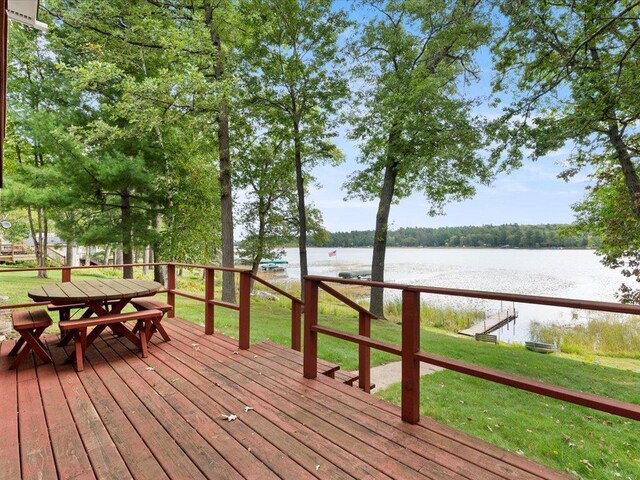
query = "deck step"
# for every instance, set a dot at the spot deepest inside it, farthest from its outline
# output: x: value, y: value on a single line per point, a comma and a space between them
x: 331, y: 370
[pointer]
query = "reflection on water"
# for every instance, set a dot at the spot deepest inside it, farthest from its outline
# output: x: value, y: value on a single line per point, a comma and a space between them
x: 557, y: 273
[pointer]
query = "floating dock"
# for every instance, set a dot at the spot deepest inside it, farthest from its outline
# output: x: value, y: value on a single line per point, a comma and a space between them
x: 491, y: 324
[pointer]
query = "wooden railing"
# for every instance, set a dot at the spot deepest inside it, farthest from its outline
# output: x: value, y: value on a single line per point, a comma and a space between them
x: 243, y: 306
x: 410, y: 352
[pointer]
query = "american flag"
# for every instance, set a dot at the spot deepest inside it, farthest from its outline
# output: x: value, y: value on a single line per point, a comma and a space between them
x: 333, y: 253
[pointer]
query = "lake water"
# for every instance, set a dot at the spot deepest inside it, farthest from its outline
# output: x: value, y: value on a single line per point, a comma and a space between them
x: 557, y: 273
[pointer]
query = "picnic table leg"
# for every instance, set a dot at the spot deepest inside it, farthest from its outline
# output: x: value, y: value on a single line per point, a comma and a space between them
x: 143, y: 339
x: 68, y: 336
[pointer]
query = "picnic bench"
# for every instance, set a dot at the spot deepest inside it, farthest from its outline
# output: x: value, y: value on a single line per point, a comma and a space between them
x: 83, y: 339
x: 146, y: 303
x: 103, y: 301
x: 30, y: 324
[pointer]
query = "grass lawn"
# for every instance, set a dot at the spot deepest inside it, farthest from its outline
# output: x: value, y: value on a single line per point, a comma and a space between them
x: 586, y: 443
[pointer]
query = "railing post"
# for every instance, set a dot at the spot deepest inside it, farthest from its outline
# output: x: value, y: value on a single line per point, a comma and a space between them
x: 66, y: 274
x: 310, y: 367
x: 171, y: 286
x: 209, y: 282
x: 296, y: 316
x: 410, y: 365
x: 364, y: 353
x: 244, y: 334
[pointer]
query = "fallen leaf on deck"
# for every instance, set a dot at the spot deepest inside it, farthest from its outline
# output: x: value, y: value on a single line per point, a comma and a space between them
x: 150, y: 369
x: 230, y: 418
x: 317, y: 467
x: 246, y: 409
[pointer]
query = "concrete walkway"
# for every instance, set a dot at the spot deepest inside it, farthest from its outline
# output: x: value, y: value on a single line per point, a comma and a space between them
x: 384, y: 375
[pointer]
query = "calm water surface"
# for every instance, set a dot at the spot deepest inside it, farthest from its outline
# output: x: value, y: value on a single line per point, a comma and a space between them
x: 558, y: 273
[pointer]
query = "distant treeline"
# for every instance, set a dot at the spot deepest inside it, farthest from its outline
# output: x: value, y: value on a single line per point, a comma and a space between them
x: 506, y: 236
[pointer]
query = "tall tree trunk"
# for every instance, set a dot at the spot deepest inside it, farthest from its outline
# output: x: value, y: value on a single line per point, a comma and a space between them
x: 376, y: 304
x: 36, y: 236
x: 158, y: 270
x: 45, y: 240
x: 259, y: 251
x: 126, y: 225
x: 631, y: 180
x: 118, y: 260
x: 302, y: 212
x: 226, y: 198
x: 107, y: 253
x: 68, y: 257
x: 146, y: 255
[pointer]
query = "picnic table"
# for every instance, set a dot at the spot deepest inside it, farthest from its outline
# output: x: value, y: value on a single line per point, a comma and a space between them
x: 102, y: 298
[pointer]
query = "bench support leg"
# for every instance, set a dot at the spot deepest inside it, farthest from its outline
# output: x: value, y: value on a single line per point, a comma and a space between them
x: 32, y: 339
x: 16, y: 348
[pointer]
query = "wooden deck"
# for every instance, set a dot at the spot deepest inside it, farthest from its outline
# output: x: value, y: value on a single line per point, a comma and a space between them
x: 164, y: 417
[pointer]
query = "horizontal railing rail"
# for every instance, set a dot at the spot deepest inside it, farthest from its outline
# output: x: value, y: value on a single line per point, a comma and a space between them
x: 411, y: 354
x: 243, y: 307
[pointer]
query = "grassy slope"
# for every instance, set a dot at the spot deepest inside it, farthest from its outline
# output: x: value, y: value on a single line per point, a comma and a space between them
x: 567, y: 437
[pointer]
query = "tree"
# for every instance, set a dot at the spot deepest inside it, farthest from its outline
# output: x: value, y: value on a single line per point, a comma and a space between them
x: 572, y: 67
x: 40, y: 102
x: 416, y: 132
x: 266, y: 175
x: 294, y: 70
x: 146, y: 68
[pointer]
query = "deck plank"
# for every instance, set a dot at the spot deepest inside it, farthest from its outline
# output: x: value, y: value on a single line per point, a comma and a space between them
x: 299, y: 442
x: 103, y: 454
x: 163, y: 447
x: 135, y: 453
x: 208, y: 445
x: 9, y: 447
x: 391, y: 458
x: 469, y: 449
x: 212, y: 405
x: 160, y: 417
x: 36, y: 456
x: 68, y: 450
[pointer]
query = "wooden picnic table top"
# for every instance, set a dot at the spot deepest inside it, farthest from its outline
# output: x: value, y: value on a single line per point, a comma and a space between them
x: 93, y: 290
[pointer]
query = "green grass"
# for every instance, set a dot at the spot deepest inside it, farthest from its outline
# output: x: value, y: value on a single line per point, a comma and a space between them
x: 609, y: 334
x: 586, y: 443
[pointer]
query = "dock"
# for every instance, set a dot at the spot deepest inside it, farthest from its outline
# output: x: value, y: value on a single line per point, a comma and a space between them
x: 491, y: 323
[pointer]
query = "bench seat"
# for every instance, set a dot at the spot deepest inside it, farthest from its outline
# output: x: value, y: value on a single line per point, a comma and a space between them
x: 23, y: 319
x: 144, y: 320
x: 149, y: 303
x: 30, y: 324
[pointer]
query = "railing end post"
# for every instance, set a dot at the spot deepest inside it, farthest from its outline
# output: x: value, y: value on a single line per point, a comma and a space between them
x: 296, y: 321
x: 364, y: 353
x: 310, y: 356
x: 410, y: 398
x: 66, y: 274
x: 244, y: 320
x: 171, y: 287
x: 209, y: 284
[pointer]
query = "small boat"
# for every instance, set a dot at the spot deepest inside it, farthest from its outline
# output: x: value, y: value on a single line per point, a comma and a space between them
x: 541, y: 347
x: 274, y: 262
x: 359, y: 274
